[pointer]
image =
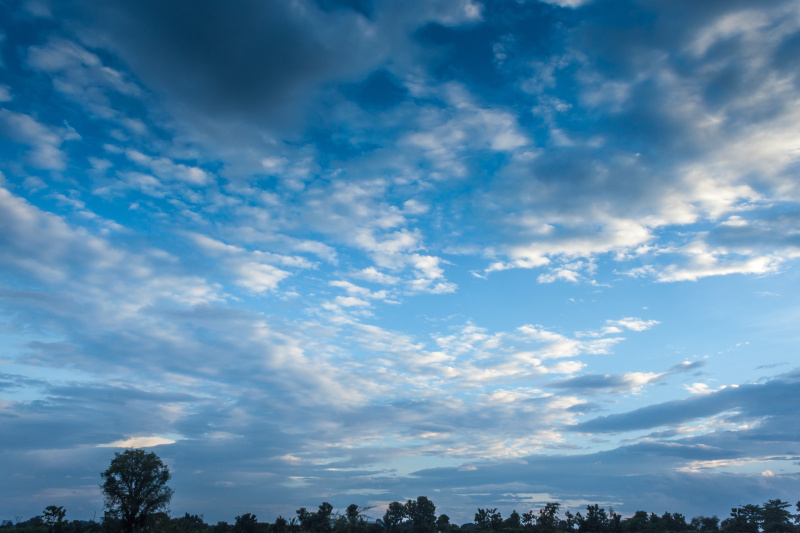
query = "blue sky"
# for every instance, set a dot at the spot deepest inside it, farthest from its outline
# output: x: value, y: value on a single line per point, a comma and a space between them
x: 495, y: 253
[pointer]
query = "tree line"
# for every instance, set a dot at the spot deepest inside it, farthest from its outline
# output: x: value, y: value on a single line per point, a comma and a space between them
x: 136, y: 497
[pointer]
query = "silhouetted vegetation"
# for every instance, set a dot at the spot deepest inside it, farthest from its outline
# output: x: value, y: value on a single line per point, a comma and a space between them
x: 419, y: 516
x: 136, y: 496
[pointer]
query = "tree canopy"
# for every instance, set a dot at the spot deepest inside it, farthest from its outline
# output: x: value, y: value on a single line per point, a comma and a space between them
x: 135, y: 487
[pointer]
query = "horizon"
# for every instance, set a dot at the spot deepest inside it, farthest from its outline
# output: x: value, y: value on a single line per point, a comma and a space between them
x: 497, y: 253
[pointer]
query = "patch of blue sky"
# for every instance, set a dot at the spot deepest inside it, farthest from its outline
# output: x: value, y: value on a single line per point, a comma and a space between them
x: 454, y: 244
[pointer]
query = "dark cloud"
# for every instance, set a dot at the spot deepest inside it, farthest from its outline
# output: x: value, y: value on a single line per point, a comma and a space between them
x: 248, y: 61
x: 774, y: 397
x: 646, y: 474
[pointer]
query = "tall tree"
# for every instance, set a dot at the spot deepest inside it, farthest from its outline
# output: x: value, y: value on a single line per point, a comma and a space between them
x: 135, y: 487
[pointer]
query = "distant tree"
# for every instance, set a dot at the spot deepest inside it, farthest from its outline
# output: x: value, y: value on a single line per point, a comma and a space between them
x: 673, y: 522
x: 422, y: 514
x: 319, y: 522
x: 745, y: 519
x: 705, y: 524
x: 548, y: 517
x: 443, y: 523
x: 488, y: 519
x: 135, y: 487
x: 775, y: 517
x: 354, y: 518
x: 655, y: 522
x: 54, y: 517
x: 513, y: 521
x: 528, y: 518
x: 596, y: 519
x: 638, y: 523
x: 246, y: 523
x: 281, y: 525
x: 322, y: 520
x: 189, y: 523
x: 570, y: 521
x: 394, y: 516
x: 352, y: 514
x: 157, y: 523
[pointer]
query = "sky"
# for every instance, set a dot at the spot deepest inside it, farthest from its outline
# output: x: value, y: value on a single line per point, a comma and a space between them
x: 496, y: 253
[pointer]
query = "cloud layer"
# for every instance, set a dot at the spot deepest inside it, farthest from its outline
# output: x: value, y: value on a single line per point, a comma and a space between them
x: 497, y: 254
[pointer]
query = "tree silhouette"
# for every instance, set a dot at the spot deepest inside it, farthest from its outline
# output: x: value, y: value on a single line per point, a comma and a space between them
x: 135, y: 487
x: 422, y: 514
x: 53, y: 517
x: 394, y: 516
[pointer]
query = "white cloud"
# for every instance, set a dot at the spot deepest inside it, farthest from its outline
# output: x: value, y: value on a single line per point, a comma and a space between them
x: 168, y: 170
x: 259, y: 277
x: 81, y: 76
x: 45, y: 142
x: 373, y: 275
x: 444, y: 136
x: 138, y: 442
x: 633, y: 324
x: 567, y: 3
x: 698, y: 388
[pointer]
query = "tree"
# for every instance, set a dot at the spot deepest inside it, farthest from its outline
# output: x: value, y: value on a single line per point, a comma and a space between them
x: 319, y: 522
x: 54, y: 517
x: 488, y: 519
x: 596, y: 519
x: 569, y: 521
x: 135, y: 487
x: 548, y: 517
x: 421, y: 514
x: 246, y: 523
x: 281, y: 525
x: 443, y: 523
x: 775, y: 517
x: 638, y: 523
x: 352, y: 513
x: 513, y: 521
x: 394, y: 516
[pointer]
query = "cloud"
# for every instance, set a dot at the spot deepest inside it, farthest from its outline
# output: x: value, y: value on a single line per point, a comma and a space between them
x: 166, y: 169
x: 622, y: 383
x: 138, y: 442
x: 81, y: 76
x: 208, y: 270
x: 751, y: 401
x: 44, y: 141
x: 567, y: 3
x: 595, y: 196
x: 259, y: 277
